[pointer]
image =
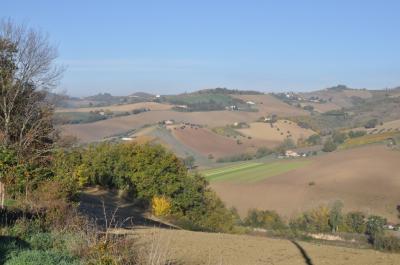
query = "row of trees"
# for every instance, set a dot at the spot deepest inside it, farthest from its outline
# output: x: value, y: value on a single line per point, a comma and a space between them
x: 327, y: 220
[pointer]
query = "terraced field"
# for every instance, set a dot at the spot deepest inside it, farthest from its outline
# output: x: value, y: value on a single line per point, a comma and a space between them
x: 251, y: 172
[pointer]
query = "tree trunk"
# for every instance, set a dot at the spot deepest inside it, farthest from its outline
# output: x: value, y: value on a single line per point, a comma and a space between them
x: 2, y: 195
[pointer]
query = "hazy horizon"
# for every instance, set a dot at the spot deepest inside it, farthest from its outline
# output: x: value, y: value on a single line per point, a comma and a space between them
x: 175, y: 46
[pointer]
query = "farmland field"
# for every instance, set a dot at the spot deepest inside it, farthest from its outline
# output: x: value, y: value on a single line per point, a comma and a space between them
x: 280, y: 131
x: 123, y: 107
x: 252, y: 171
x: 267, y: 104
x: 363, y: 178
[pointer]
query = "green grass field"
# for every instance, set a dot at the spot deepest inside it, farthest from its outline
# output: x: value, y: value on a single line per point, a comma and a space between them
x: 252, y: 171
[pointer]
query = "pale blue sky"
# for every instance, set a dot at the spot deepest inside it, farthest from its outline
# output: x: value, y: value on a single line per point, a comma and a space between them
x: 175, y: 46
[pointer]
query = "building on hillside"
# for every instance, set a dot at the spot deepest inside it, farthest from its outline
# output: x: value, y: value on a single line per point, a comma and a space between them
x: 250, y: 103
x: 169, y: 122
x: 290, y: 153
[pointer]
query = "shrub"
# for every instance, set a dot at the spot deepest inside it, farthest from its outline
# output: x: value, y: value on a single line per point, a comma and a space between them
x: 355, y: 134
x: 41, y: 241
x: 316, y: 220
x: 371, y: 124
x: 329, y: 146
x: 314, y: 139
x: 335, y: 215
x: 339, y: 137
x: 375, y: 226
x: 354, y: 222
x: 388, y: 243
x: 262, y: 151
x: 34, y: 257
x: 264, y: 219
x: 161, y: 206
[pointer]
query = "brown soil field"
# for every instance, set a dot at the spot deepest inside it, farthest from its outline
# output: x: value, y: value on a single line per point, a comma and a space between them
x: 124, y: 107
x: 207, y: 142
x: 365, y: 178
x: 263, y: 131
x: 340, y: 98
x: 185, y: 247
x: 267, y: 104
x: 97, y: 131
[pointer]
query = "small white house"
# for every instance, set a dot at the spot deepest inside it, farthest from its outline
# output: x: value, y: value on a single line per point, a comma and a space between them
x: 169, y: 122
x: 250, y: 103
x: 127, y: 139
x: 290, y: 153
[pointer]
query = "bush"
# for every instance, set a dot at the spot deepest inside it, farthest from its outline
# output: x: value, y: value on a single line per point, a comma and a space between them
x: 355, y: 134
x: 371, y: 124
x: 387, y: 243
x: 354, y: 222
x: 314, y: 139
x: 161, y: 206
x: 264, y: 219
x: 375, y: 227
x: 329, y: 146
x: 41, y: 241
x: 339, y: 137
x: 262, y: 151
x: 35, y: 257
x: 316, y: 221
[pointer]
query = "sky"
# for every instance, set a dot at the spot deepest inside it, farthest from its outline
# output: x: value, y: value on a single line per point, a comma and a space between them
x: 168, y: 46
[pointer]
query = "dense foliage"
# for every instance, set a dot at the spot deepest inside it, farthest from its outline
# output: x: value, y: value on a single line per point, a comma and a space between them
x: 144, y: 171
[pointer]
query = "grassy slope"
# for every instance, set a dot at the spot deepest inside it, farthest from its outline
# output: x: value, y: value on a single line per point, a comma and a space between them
x: 251, y: 171
x: 368, y: 139
x: 211, y: 248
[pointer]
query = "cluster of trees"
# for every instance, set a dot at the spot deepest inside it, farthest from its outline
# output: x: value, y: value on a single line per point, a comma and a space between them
x: 327, y: 220
x: 144, y: 172
x: 223, y: 90
x: 261, y: 152
x: 338, y: 138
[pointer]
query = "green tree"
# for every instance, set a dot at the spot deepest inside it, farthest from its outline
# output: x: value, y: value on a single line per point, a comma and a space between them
x: 335, y: 216
x: 314, y: 139
x: 371, y: 123
x: 375, y: 226
x: 329, y: 146
x: 189, y: 162
x: 355, y: 222
x: 339, y: 137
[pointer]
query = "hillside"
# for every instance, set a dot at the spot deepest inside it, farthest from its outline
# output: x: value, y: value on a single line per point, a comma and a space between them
x: 208, y: 248
x: 365, y: 178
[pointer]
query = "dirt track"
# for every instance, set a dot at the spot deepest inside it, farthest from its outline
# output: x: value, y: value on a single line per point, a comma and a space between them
x: 365, y: 179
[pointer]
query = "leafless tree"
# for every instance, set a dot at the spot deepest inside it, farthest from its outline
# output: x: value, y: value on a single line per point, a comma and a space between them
x: 27, y: 73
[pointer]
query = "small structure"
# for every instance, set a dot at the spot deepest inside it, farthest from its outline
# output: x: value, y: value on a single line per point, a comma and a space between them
x: 169, y: 122
x: 250, y: 103
x: 290, y: 153
x: 127, y: 139
x: 233, y: 107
